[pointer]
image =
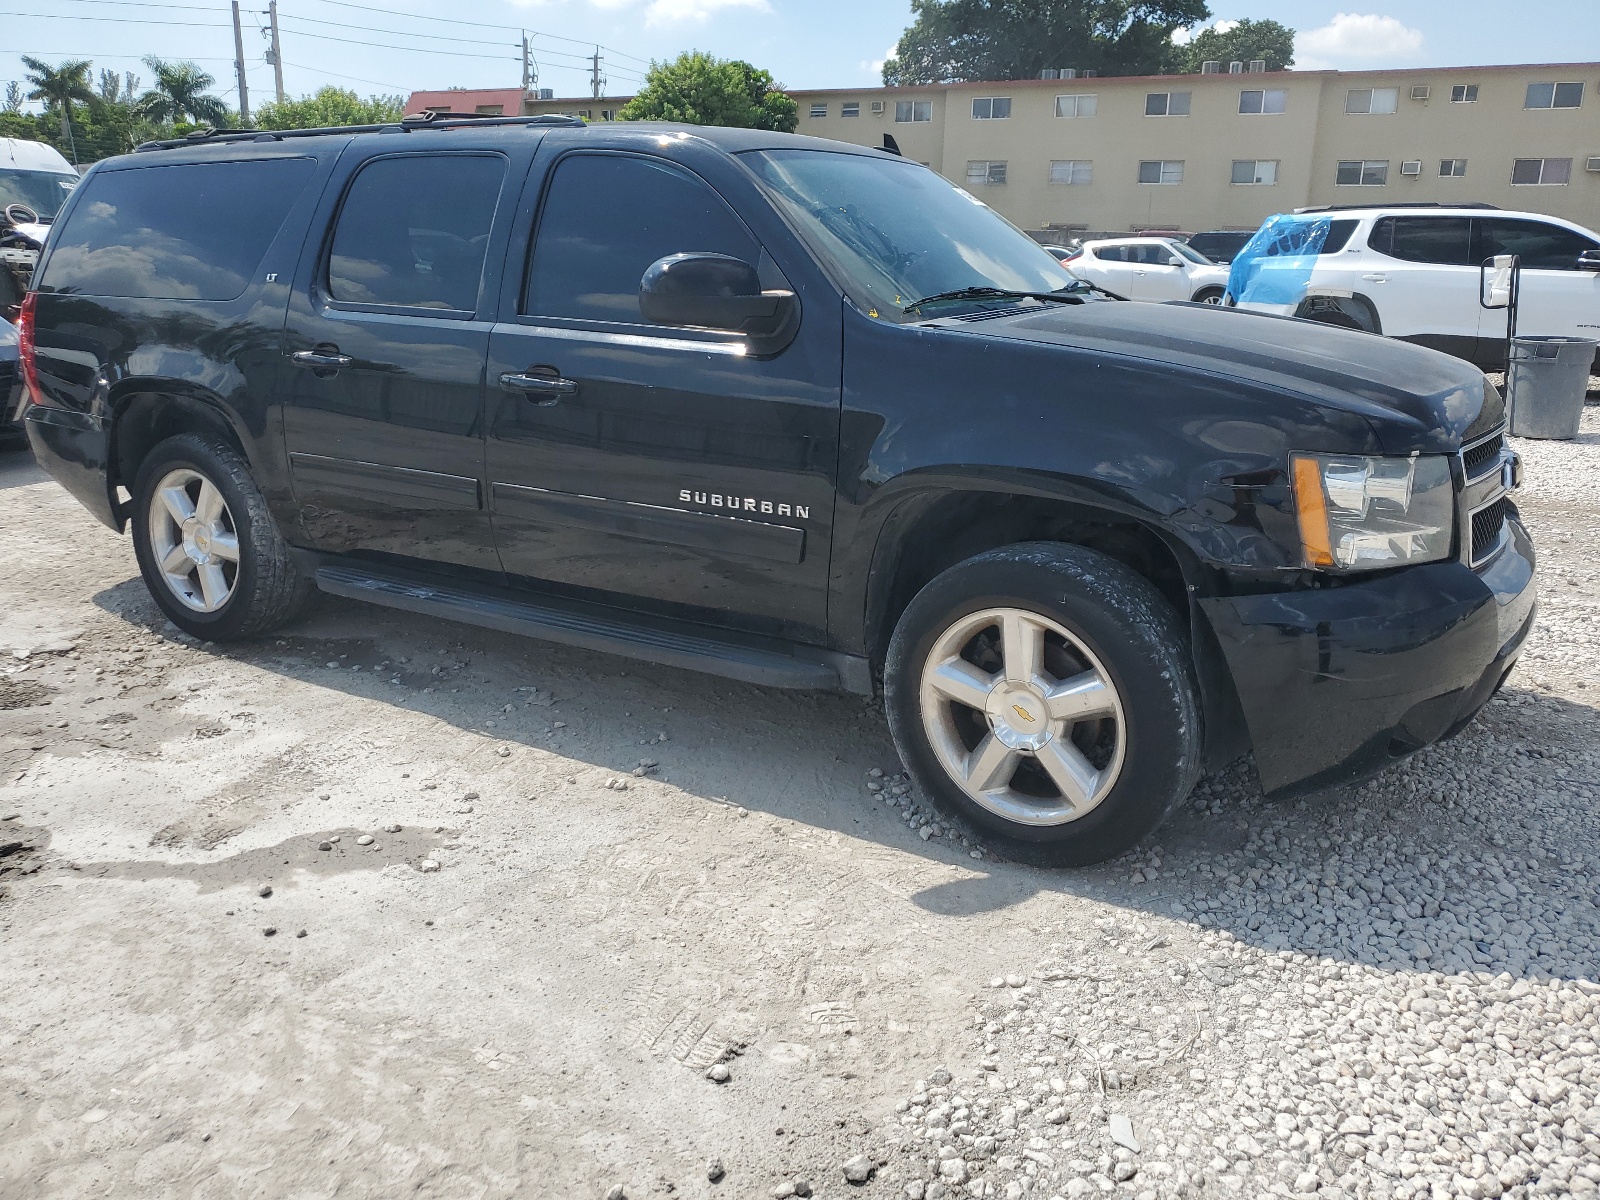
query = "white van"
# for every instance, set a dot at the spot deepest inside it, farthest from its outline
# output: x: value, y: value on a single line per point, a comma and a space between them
x: 1412, y: 272
x: 34, y: 183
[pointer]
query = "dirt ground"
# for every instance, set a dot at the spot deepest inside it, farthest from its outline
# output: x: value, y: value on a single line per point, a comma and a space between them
x: 517, y: 986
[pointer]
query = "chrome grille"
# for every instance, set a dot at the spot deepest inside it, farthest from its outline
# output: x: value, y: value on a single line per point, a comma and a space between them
x: 1487, y: 523
x: 1481, y: 456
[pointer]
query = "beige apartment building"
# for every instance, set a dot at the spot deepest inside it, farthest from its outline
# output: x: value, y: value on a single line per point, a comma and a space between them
x: 1224, y: 150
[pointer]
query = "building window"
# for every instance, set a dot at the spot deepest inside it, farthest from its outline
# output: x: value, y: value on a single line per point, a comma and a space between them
x: 991, y: 108
x: 850, y: 108
x: 1550, y: 171
x: 1452, y: 168
x: 1072, y: 170
x: 1166, y: 104
x: 1169, y: 171
x: 1554, y: 95
x: 1270, y: 100
x: 1371, y: 101
x: 608, y: 114
x: 1464, y: 93
x: 819, y: 110
x: 986, y: 172
x: 1076, y: 106
x: 499, y: 110
x: 1252, y: 171
x: 913, y: 110
x: 1367, y: 174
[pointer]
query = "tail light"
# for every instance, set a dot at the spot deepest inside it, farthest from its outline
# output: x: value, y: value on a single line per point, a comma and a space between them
x: 1073, y: 257
x: 25, y: 348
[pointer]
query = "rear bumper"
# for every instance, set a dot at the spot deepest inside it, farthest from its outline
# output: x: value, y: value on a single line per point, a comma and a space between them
x: 74, y: 448
x: 1337, y: 683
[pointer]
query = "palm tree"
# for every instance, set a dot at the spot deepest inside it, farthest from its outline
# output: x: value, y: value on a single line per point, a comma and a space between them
x: 179, y: 94
x: 59, y: 88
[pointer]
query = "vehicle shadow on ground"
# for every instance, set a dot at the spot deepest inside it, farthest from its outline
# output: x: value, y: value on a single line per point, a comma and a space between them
x: 1416, y: 851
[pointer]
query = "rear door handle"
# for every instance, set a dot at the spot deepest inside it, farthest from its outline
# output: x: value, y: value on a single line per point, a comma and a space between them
x: 1376, y: 278
x: 541, y: 389
x: 323, y: 358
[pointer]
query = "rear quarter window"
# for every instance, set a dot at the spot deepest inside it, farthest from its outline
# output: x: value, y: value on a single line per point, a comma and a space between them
x: 188, y: 231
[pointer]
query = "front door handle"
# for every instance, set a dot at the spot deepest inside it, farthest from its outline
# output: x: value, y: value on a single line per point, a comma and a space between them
x: 323, y: 358
x: 541, y: 389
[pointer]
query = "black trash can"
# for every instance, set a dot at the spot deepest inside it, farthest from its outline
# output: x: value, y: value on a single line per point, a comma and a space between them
x: 1545, y: 385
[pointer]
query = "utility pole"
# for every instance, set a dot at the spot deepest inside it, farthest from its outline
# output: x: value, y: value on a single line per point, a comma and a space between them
x: 277, y: 50
x: 596, y: 83
x: 238, y: 65
x: 527, y: 65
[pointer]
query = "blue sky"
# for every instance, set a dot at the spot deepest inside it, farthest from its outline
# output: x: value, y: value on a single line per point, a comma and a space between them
x: 804, y: 43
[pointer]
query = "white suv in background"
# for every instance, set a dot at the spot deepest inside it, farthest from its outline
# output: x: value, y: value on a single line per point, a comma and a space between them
x: 1150, y: 268
x: 1412, y: 272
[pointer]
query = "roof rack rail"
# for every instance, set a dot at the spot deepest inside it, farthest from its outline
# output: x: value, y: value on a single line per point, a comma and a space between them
x: 405, y: 125
x: 1319, y: 208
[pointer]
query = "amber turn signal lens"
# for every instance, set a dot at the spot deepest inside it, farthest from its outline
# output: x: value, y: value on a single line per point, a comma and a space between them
x: 1311, y: 510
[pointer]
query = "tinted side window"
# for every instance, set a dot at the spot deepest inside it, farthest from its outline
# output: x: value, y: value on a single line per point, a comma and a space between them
x: 1338, y: 236
x: 189, y: 231
x: 1442, y: 240
x: 1112, y: 254
x: 606, y: 218
x: 1542, y: 247
x: 413, y: 231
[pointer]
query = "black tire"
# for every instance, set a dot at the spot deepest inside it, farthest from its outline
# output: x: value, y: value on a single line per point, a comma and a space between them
x: 266, y: 588
x: 1140, y: 644
x: 1209, y: 295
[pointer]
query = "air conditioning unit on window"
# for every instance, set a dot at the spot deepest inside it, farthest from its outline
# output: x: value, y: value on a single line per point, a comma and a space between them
x: 1411, y: 167
x: 1236, y: 67
x: 1421, y: 92
x: 1067, y: 73
x: 1257, y: 66
x: 1049, y: 73
x: 1592, y: 165
x: 877, y: 107
x: 1211, y: 67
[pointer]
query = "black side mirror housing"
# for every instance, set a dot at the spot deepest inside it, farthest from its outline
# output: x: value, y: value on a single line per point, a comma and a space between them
x: 1589, y: 260
x: 718, y: 291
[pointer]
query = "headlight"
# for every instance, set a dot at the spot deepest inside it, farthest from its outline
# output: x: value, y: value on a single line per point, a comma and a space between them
x: 1361, y: 513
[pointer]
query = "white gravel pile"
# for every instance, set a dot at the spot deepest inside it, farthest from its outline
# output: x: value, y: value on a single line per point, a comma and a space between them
x: 1384, y: 991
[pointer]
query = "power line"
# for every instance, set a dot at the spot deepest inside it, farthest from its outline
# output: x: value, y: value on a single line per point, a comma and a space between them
x: 349, y: 78
x: 323, y: 37
x: 119, y: 20
x: 283, y: 16
x: 389, y: 12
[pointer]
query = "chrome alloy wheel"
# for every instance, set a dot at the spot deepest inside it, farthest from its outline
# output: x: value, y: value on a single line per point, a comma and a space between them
x: 1023, y: 717
x: 194, y: 540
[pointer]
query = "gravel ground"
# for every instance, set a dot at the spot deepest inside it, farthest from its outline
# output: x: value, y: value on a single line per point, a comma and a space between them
x: 582, y: 928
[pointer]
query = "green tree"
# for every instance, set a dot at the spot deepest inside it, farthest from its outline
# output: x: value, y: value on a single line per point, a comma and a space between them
x: 697, y: 89
x: 60, y: 88
x: 1245, y: 41
x: 13, y: 100
x: 179, y: 95
x: 330, y: 106
x: 953, y: 40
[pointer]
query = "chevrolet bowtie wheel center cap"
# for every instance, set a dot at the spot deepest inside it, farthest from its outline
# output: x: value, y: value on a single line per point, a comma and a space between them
x: 1018, y: 716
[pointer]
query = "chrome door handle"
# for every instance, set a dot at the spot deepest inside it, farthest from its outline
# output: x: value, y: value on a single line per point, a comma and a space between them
x: 322, y: 360
x: 541, y: 389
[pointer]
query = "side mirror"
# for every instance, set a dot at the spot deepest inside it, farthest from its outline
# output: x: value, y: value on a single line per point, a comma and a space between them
x: 718, y: 291
x: 1497, y: 281
x: 1174, y: 261
x: 1589, y: 260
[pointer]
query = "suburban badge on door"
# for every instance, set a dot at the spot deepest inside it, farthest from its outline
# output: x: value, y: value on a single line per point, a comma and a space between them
x: 744, y: 504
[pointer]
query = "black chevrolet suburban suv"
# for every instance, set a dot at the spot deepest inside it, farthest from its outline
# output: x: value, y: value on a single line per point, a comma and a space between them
x: 792, y: 412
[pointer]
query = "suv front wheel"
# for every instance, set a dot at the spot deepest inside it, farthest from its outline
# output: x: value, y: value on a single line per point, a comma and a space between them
x: 1042, y: 694
x: 210, y: 552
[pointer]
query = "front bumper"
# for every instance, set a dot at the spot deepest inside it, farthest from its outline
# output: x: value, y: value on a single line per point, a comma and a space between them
x: 74, y: 447
x: 1336, y: 683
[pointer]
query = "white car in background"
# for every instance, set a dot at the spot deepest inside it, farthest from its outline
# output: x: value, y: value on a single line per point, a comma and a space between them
x: 1150, y: 268
x: 1413, y: 272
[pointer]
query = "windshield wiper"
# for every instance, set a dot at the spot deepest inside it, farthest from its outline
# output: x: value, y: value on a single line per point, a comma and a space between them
x: 1067, y: 295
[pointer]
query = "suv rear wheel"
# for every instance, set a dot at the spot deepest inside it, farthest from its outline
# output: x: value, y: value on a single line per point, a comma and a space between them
x: 209, y: 550
x: 1042, y: 694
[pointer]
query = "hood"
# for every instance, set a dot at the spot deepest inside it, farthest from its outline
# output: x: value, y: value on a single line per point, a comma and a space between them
x: 1415, y: 399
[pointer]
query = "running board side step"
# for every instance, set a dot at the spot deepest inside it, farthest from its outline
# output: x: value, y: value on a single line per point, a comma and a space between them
x: 609, y: 630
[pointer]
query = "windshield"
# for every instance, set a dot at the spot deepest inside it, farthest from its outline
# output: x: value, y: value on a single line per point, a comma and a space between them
x: 1192, y: 254
x: 42, y: 191
x: 897, y: 232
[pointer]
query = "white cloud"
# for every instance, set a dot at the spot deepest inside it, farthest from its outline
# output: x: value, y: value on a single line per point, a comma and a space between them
x: 875, y: 66
x: 1356, y: 40
x: 671, y: 12
x: 1182, y: 36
